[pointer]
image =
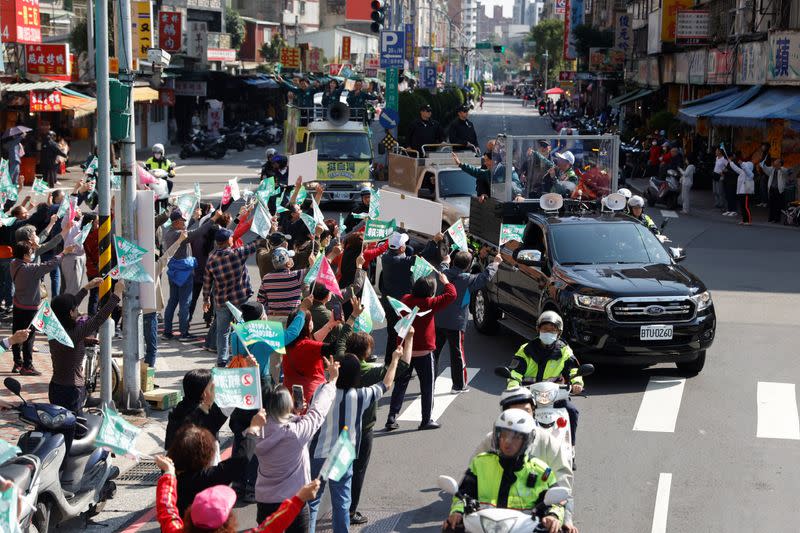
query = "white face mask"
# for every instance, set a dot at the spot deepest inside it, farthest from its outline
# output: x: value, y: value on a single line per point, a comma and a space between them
x: 548, y: 338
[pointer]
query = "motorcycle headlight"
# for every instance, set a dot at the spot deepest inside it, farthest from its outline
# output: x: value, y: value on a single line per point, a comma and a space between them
x: 596, y: 303
x: 497, y: 526
x: 545, y: 397
x: 45, y: 418
x: 702, y: 300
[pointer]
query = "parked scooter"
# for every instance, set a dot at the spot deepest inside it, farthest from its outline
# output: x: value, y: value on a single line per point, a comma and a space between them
x: 480, y: 518
x: 24, y: 471
x: 542, y: 108
x: 664, y: 191
x: 76, y: 478
x: 202, y: 144
x: 234, y: 137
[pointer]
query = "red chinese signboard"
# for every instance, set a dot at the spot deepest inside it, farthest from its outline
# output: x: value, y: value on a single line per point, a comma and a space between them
x: 166, y: 97
x: 45, y: 101
x: 169, y: 31
x: 47, y: 59
x: 333, y: 69
x: 19, y: 21
x: 290, y: 57
x: 345, y: 48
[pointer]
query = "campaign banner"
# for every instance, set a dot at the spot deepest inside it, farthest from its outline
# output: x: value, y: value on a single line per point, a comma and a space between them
x: 511, y: 232
x: 128, y: 252
x: 117, y: 434
x: 238, y: 388
x: 459, y: 236
x: 266, y: 331
x: 46, y: 322
x: 378, y: 230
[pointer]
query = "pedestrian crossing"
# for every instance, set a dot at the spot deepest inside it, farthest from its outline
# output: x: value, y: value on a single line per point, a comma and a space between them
x: 441, y: 397
x: 660, y: 405
x: 777, y: 411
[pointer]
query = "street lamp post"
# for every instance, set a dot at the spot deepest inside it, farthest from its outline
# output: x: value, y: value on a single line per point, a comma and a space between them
x: 546, y: 57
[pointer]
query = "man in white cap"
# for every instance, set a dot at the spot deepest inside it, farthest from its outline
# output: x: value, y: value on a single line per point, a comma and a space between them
x: 566, y: 179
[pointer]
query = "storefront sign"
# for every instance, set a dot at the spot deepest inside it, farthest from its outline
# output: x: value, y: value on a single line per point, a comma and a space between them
x: 197, y: 39
x: 142, y: 28
x: 561, y: 7
x: 74, y: 68
x: 20, y: 22
x: 47, y: 59
x: 166, y: 97
x: 783, y: 61
x: 410, y: 44
x: 691, y: 27
x: 669, y: 17
x: 45, y: 101
x: 314, y: 60
x: 566, y: 75
x: 571, y: 22
x: 622, y: 31
x: 221, y: 54
x: 667, y: 68
x: 190, y: 88
x: 345, y: 48
x: 719, y: 69
x: 682, y: 68
x: 606, y: 60
x: 290, y: 57
x: 697, y: 67
x: 170, y: 31
x: 751, y: 64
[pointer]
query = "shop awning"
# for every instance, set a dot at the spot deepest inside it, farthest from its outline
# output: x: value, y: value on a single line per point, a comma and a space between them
x: 641, y: 93
x: 710, y: 97
x: 261, y: 82
x: 770, y: 104
x: 25, y: 87
x: 144, y: 94
x: 711, y: 108
x: 79, y: 106
x: 614, y: 102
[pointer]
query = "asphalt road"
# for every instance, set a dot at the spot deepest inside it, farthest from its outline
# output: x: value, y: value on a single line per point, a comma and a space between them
x: 703, y: 457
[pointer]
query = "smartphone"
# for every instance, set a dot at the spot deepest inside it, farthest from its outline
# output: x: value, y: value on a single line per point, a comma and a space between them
x: 336, y: 308
x: 297, y: 396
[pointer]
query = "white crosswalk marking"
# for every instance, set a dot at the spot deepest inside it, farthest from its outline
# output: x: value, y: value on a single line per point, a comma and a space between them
x: 441, y: 397
x: 777, y: 411
x: 668, y: 214
x: 660, y: 405
x: 662, y: 504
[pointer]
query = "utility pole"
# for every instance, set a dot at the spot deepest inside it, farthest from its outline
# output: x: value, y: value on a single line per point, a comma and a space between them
x: 132, y: 316
x: 90, y: 59
x: 546, y: 57
x: 104, y: 193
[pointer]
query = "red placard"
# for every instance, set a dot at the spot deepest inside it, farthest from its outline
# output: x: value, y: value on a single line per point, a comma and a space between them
x: 166, y: 97
x: 169, y: 31
x: 358, y: 10
x: 290, y: 57
x: 45, y: 101
x: 19, y: 21
x: 75, y: 69
x: 47, y: 59
x: 345, y: 48
x: 333, y: 69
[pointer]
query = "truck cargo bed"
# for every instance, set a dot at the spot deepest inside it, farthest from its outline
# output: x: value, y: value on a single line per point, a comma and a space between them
x: 485, y: 218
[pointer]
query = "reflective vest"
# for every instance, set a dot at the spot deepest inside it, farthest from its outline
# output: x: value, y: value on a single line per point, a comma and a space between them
x: 524, y: 365
x: 648, y: 222
x: 532, y: 481
x: 164, y: 164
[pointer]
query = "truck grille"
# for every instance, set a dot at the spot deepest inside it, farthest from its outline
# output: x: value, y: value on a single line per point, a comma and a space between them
x: 340, y: 186
x: 651, y: 310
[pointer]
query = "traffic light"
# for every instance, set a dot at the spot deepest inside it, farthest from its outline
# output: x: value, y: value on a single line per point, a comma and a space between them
x: 119, y: 104
x: 378, y: 15
x: 498, y: 49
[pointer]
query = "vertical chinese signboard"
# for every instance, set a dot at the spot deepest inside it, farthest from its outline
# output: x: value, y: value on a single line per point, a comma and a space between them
x: 410, y: 48
x: 169, y: 31
x: 47, y: 59
x: 290, y: 58
x: 143, y: 19
x: 314, y: 59
x: 622, y: 32
x: 345, y: 49
x: 44, y: 101
x: 19, y: 21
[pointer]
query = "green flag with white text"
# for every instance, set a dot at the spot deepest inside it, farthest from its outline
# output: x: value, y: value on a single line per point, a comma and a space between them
x: 117, y: 434
x: 39, y: 186
x: 459, y: 236
x: 378, y: 230
x: 421, y: 268
x: 266, y: 331
x: 46, y: 322
x: 340, y: 458
x: 373, y: 317
x: 238, y: 388
x: 511, y: 232
x: 313, y: 271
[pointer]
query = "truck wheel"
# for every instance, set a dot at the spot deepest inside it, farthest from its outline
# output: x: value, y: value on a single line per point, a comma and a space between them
x: 484, y: 313
x: 692, y: 368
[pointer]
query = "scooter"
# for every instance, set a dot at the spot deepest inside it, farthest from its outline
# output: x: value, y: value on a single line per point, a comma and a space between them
x: 76, y: 478
x: 542, y: 109
x: 202, y: 144
x: 24, y: 471
x: 665, y: 191
x: 480, y: 518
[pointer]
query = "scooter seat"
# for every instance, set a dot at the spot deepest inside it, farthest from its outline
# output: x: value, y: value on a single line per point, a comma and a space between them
x: 19, y: 471
x: 84, y: 444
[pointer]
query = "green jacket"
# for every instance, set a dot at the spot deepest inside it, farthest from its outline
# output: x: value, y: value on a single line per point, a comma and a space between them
x: 540, y: 363
x: 648, y: 222
x: 304, y: 99
x: 484, y: 481
x: 359, y: 101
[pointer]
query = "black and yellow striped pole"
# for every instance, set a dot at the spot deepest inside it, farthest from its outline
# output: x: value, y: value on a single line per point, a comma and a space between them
x: 104, y: 246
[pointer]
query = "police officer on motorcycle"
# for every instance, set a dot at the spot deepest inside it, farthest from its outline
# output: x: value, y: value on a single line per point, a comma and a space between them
x: 508, y: 476
x: 548, y: 357
x: 159, y: 161
x: 636, y: 208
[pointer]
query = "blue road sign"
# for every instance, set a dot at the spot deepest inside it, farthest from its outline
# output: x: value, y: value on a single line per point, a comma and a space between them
x: 393, y: 49
x: 389, y: 118
x: 428, y: 76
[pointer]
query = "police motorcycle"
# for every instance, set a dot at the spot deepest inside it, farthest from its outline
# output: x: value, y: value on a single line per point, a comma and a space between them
x: 24, y: 471
x: 204, y: 144
x: 664, y: 190
x: 480, y: 518
x: 550, y: 411
x: 76, y: 477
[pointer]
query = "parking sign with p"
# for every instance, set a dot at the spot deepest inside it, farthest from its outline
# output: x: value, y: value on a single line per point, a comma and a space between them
x: 392, y: 49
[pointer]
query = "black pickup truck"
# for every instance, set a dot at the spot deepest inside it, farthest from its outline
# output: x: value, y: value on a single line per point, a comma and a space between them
x: 623, y: 295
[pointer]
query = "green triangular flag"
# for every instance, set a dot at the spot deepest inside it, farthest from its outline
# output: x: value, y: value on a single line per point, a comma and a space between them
x: 117, y: 434
x: 340, y: 458
x: 262, y: 223
x: 311, y: 224
x: 237, y: 315
x: 313, y: 272
x: 458, y: 235
x: 373, y: 317
x: 421, y: 268
x: 46, y: 322
x: 404, y: 323
x: 39, y: 186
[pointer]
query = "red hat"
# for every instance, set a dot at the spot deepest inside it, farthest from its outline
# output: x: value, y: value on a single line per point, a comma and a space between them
x: 212, y: 507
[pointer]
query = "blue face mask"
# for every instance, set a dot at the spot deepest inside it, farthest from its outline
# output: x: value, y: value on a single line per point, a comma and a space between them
x: 548, y: 338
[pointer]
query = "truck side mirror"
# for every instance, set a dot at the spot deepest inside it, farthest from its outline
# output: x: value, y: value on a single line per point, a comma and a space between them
x: 678, y: 254
x: 532, y: 258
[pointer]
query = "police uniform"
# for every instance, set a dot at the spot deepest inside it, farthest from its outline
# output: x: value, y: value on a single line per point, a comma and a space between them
x: 648, y: 222
x: 462, y: 132
x: 162, y: 164
x: 424, y: 132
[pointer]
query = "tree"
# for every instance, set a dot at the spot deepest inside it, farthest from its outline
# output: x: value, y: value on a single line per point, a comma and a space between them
x: 587, y: 37
x: 548, y: 35
x: 271, y: 51
x: 234, y: 25
x: 78, y: 38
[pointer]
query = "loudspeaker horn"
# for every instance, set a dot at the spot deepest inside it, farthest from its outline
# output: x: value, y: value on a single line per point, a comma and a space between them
x: 551, y: 202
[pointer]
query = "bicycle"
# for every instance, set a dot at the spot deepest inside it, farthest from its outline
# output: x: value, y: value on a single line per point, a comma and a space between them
x: 92, y: 370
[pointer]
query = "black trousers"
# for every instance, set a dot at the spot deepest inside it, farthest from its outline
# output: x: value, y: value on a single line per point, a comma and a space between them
x: 23, y: 353
x: 360, y: 468
x: 391, y: 334
x: 300, y: 524
x: 729, y: 187
x: 572, y: 412
x: 775, y: 205
x: 458, y: 362
x: 423, y: 364
x: 68, y: 397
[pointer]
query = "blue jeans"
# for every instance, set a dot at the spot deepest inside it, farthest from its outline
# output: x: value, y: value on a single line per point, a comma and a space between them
x: 211, y: 336
x: 150, y: 327
x: 340, y: 498
x: 6, y: 286
x: 223, y: 319
x: 178, y: 295
x: 94, y: 300
x: 55, y: 282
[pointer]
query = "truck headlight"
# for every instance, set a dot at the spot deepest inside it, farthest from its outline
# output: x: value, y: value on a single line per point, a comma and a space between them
x: 311, y: 185
x: 702, y: 300
x: 596, y: 303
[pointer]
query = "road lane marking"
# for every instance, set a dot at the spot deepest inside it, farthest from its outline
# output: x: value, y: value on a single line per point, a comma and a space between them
x: 660, y: 405
x: 441, y: 397
x: 777, y: 411
x: 662, y: 503
x: 669, y: 214
x: 180, y: 167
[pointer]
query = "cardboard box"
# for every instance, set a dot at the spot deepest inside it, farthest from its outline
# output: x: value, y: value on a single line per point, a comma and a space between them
x: 148, y: 376
x: 163, y: 399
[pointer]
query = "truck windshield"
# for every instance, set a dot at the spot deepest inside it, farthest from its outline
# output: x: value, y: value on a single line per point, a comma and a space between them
x: 456, y: 183
x: 337, y: 145
x: 609, y: 243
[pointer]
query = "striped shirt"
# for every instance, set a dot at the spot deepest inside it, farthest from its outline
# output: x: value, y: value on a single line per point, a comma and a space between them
x: 281, y: 291
x: 347, y: 410
x: 227, y: 271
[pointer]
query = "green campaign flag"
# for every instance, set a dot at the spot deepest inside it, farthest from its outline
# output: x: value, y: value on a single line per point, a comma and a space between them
x: 39, y: 186
x: 92, y: 167
x: 313, y: 272
x: 134, y: 272
x: 46, y: 322
x: 340, y: 458
x: 186, y: 203
x: 511, y: 232
x: 405, y: 323
x: 373, y: 317
x: 7, y: 221
x: 238, y: 388
x: 341, y: 223
x: 9, y: 521
x: 237, y: 315
x: 398, y: 306
x: 374, y: 203
x: 63, y: 208
x: 266, y: 331
x: 80, y: 238
x: 311, y: 224
x: 267, y: 185
x: 116, y: 184
x: 117, y: 434
x: 319, y: 218
x: 196, y: 193
x: 459, y: 236
x: 7, y: 451
x: 421, y: 268
x: 378, y: 230
x: 263, y: 196
x: 262, y: 222
x: 128, y: 253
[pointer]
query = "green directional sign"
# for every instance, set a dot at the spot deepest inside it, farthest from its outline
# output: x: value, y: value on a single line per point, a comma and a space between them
x: 486, y: 45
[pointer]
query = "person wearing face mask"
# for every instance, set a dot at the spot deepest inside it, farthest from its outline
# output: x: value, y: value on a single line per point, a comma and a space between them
x: 548, y: 358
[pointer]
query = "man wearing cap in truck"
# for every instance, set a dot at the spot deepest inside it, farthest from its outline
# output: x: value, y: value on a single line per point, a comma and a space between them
x: 461, y: 130
x: 566, y: 179
x: 425, y: 130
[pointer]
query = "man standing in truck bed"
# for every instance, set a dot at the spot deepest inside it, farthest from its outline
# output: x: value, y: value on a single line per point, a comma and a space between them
x: 425, y: 130
x: 461, y: 130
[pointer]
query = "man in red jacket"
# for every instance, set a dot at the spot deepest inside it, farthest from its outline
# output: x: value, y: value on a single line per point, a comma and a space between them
x: 422, y: 296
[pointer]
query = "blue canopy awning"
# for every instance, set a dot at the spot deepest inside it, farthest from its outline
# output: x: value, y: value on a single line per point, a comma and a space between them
x: 711, y: 108
x: 710, y: 97
x: 770, y: 104
x: 261, y: 82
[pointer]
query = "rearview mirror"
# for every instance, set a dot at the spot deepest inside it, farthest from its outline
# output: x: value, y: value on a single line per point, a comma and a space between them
x: 556, y: 496
x: 678, y: 254
x: 502, y: 372
x: 585, y: 370
x: 447, y: 484
x: 13, y: 385
x: 530, y: 257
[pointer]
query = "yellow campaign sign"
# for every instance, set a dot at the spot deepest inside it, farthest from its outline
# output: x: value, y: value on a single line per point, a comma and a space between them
x: 290, y: 57
x: 669, y: 17
x: 343, y: 170
x: 144, y: 28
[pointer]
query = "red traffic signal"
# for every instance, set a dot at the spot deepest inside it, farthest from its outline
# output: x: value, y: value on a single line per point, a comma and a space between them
x: 378, y: 15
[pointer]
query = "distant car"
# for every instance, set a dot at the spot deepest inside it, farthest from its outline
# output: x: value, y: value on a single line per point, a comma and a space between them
x: 508, y: 90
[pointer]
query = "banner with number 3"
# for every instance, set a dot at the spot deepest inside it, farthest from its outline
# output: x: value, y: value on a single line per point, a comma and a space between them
x: 237, y: 387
